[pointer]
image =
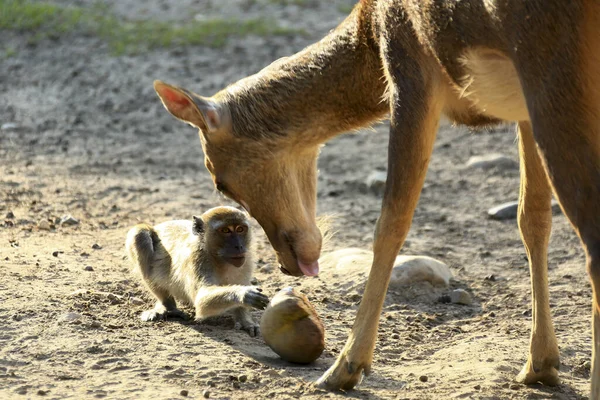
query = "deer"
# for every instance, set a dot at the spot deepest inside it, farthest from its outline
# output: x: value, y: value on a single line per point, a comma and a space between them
x: 535, y: 63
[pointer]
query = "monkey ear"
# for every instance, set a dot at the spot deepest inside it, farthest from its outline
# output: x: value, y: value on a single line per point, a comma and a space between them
x: 194, y: 110
x: 197, y: 226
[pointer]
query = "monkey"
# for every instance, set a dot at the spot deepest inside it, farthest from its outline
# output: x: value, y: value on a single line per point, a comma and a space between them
x: 205, y: 262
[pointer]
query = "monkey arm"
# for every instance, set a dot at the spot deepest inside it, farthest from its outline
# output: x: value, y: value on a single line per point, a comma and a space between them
x: 216, y: 300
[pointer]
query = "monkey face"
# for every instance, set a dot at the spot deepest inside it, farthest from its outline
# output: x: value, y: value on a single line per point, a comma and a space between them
x: 277, y: 188
x: 226, y: 234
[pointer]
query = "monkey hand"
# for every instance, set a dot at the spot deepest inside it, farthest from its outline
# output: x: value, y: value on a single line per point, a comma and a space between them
x: 254, y: 298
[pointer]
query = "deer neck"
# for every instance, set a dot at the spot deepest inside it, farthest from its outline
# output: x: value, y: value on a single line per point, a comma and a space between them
x: 330, y: 87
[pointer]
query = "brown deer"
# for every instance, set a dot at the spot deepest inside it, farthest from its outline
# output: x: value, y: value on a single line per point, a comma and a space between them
x: 479, y: 62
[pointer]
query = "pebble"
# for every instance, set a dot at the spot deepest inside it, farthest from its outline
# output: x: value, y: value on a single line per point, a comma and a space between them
x: 44, y: 225
x: 95, y: 324
x: 460, y: 296
x: 477, y: 387
x: 510, y: 210
x: 376, y: 181
x: 411, y: 269
x: 492, y: 160
x: 42, y: 392
x: 243, y: 378
x: 96, y: 246
x: 88, y: 268
x: 10, y: 215
x: 184, y: 393
x: 56, y: 253
x: 514, y: 386
x: 504, y: 211
x: 136, y: 301
x: 68, y: 220
x: 206, y: 394
x: 9, y: 126
x: 70, y: 317
x: 423, y: 378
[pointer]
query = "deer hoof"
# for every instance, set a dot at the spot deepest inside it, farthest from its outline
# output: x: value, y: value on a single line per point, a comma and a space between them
x: 547, y: 374
x: 343, y: 375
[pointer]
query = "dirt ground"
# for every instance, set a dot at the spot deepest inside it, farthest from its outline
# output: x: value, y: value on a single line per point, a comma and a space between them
x: 84, y: 134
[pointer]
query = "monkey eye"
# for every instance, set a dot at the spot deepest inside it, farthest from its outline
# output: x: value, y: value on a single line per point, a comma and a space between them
x: 225, y: 230
x: 241, y: 229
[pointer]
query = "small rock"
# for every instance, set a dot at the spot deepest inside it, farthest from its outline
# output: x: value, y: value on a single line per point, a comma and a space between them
x: 477, y: 387
x: 184, y: 393
x: 266, y: 268
x: 95, y: 324
x: 445, y: 299
x: 96, y: 246
x: 460, y: 296
x: 587, y: 365
x: 514, y: 386
x: 17, y: 317
x: 423, y: 378
x: 68, y: 220
x: 88, y: 268
x: 56, y: 253
x: 10, y: 126
x: 10, y: 215
x: 70, y: 317
x: 79, y: 292
x: 493, y: 160
x: 42, y: 392
x: 491, y: 278
x: 236, y: 385
x: 555, y: 207
x: 243, y: 378
x: 136, y: 301
x: 411, y: 269
x: 206, y: 394
x: 376, y: 181
x: 44, y: 225
x: 504, y: 211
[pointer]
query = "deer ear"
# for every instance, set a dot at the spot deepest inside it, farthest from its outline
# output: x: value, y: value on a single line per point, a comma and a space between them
x: 197, y: 225
x: 196, y: 111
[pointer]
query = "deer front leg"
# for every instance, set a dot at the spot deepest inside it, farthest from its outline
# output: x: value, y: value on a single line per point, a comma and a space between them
x: 535, y: 220
x: 415, y: 116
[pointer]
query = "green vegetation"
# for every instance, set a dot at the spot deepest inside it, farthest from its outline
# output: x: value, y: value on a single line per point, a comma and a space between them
x: 46, y: 20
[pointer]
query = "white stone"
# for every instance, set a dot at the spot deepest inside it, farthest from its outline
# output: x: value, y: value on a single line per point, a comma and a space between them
x: 44, y: 225
x: 492, y: 160
x: 407, y: 270
x: 412, y: 269
x: 376, y: 181
x: 9, y: 126
x: 70, y: 317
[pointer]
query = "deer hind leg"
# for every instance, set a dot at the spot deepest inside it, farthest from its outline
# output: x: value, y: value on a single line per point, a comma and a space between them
x: 535, y: 220
x: 563, y: 102
x: 414, y: 122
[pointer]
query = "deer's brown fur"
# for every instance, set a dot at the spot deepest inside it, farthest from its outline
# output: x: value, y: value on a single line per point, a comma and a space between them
x: 479, y: 62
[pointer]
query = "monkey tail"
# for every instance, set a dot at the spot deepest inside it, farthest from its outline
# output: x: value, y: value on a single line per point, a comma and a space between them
x: 140, y: 246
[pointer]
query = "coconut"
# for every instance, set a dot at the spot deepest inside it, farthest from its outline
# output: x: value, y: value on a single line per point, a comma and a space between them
x: 291, y: 327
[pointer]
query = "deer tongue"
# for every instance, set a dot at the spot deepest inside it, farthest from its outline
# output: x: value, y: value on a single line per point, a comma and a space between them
x: 311, y: 269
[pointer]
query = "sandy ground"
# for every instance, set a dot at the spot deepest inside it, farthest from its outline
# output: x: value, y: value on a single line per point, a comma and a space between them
x: 88, y: 137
